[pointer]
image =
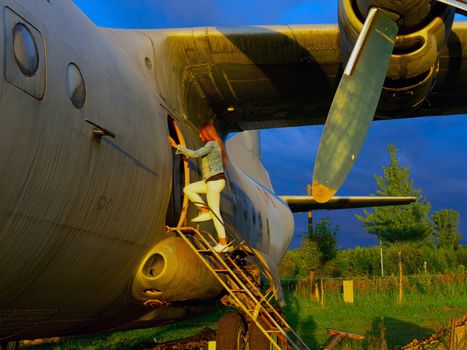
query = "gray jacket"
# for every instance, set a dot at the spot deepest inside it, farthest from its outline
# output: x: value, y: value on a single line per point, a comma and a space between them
x: 212, y: 158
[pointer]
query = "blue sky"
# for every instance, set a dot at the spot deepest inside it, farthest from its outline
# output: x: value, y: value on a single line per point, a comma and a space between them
x: 434, y: 148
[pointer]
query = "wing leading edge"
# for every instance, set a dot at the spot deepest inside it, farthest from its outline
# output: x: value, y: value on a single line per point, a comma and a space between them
x: 306, y: 203
x: 277, y: 76
x: 250, y: 77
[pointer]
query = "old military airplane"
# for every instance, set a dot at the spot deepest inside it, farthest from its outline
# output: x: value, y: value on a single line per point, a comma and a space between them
x: 88, y: 181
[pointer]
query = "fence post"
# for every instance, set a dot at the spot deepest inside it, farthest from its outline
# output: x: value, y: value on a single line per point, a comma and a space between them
x: 316, y: 294
x: 400, y: 277
x: 312, y: 284
x: 382, y: 262
x: 322, y: 291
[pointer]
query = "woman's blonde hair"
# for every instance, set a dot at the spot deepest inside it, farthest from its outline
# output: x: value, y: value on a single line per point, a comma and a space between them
x: 209, y: 133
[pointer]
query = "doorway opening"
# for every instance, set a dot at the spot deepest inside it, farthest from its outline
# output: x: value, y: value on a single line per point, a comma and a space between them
x: 178, y: 205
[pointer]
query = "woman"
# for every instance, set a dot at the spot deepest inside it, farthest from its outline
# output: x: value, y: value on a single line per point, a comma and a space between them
x: 213, y: 160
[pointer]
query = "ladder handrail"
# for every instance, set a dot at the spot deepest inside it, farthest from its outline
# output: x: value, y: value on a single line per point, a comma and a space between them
x: 255, y: 304
x: 232, y: 230
x: 241, y: 283
x: 270, y: 279
x: 226, y: 286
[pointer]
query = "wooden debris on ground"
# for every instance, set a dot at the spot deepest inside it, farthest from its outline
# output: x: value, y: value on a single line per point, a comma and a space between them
x: 445, y: 338
x: 338, y: 336
x: 198, y: 341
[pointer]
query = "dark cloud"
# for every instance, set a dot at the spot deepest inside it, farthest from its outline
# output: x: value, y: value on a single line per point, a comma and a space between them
x: 434, y: 148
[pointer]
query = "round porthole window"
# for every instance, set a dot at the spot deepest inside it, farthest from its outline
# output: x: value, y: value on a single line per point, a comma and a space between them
x: 25, y: 50
x: 75, y: 86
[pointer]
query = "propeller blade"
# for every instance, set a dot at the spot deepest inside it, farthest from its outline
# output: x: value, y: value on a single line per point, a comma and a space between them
x: 460, y: 5
x: 354, y: 104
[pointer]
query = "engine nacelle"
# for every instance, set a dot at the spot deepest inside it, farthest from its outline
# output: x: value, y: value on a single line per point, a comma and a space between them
x: 412, y: 13
x: 423, y: 32
x: 172, y: 272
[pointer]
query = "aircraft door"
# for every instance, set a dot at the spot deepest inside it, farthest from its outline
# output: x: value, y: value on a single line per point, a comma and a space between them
x: 178, y: 205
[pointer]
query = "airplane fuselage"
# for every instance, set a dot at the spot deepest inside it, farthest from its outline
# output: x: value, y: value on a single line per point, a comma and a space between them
x: 80, y: 215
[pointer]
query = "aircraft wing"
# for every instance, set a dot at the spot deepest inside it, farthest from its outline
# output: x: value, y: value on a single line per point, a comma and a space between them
x: 277, y: 76
x: 306, y: 203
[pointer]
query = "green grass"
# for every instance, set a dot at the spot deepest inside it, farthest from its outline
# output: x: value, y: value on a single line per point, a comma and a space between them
x: 429, y: 303
x: 131, y: 339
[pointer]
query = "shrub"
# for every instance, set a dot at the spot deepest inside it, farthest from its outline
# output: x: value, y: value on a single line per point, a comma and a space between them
x: 366, y: 261
x: 288, y: 268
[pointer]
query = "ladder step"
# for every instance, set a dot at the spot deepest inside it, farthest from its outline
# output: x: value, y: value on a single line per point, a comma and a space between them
x: 273, y: 331
x: 247, y: 293
x: 205, y: 251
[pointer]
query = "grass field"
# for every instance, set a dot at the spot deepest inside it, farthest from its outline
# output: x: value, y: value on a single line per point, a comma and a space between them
x: 429, y: 303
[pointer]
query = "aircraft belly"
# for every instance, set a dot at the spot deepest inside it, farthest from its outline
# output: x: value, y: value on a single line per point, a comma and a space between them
x: 45, y: 266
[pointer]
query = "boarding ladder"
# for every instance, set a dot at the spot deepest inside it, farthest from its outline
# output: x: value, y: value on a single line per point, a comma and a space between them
x: 231, y: 269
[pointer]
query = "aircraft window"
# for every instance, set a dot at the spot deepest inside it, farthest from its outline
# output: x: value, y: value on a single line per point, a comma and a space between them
x: 245, y: 210
x: 253, y: 217
x: 75, y: 86
x: 25, y: 50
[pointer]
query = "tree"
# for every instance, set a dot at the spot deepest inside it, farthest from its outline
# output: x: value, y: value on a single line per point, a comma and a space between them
x: 288, y: 268
x: 398, y: 223
x: 445, y: 225
x: 310, y: 256
x: 324, y: 234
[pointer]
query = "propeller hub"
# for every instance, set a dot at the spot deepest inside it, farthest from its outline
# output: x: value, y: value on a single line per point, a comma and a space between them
x: 416, y: 51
